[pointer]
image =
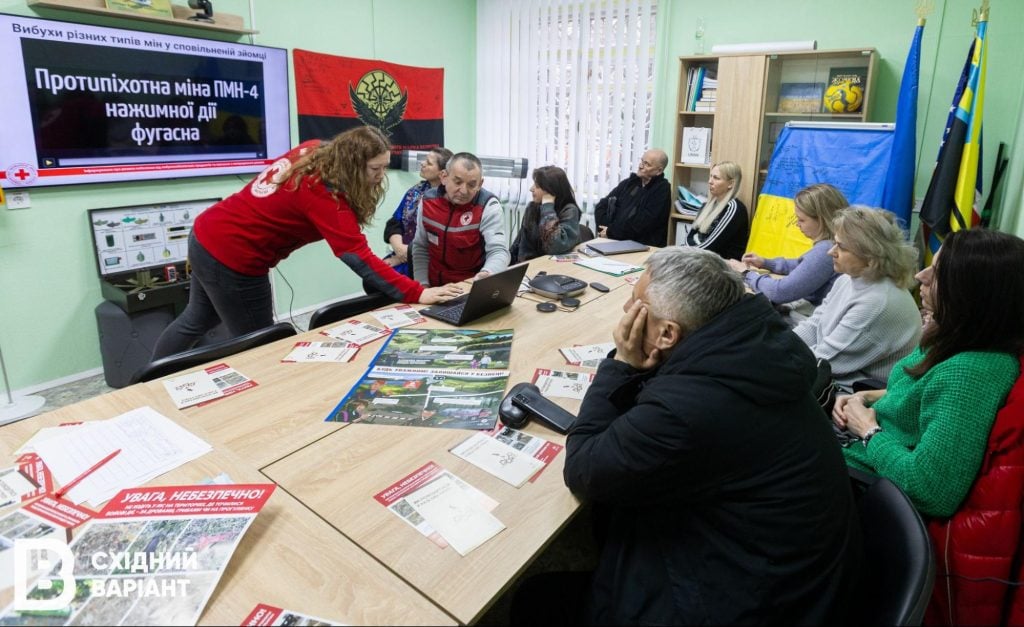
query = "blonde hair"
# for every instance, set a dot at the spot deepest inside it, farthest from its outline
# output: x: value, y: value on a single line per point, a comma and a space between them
x: 821, y: 202
x: 874, y: 236
x: 340, y: 164
x: 713, y: 207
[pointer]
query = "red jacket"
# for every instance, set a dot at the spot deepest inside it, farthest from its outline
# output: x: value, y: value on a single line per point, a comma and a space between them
x: 982, y: 540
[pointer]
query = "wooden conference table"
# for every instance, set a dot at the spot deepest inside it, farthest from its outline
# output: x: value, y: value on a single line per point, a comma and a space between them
x: 323, y: 546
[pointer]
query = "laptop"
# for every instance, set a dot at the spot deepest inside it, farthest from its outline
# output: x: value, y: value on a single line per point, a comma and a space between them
x: 616, y: 247
x: 485, y: 296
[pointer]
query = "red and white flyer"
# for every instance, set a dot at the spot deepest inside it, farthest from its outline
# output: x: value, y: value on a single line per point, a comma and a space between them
x: 562, y: 383
x: 356, y: 332
x: 533, y: 445
x: 394, y: 498
x: 336, y: 352
x: 586, y: 355
x: 152, y: 556
x: 264, y: 615
x: 398, y: 316
x: 42, y: 519
x: 205, y: 386
x: 33, y: 467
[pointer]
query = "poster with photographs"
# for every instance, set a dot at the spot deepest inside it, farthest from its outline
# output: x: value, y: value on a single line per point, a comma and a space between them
x: 153, y: 556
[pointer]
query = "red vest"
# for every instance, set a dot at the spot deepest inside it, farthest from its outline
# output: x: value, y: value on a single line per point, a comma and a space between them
x: 455, y: 244
x: 981, y: 542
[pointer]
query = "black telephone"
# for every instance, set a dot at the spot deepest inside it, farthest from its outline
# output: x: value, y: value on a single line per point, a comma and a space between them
x: 525, y: 401
x: 556, y: 285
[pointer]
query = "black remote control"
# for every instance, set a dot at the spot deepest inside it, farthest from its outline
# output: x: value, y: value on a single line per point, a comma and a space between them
x: 600, y: 287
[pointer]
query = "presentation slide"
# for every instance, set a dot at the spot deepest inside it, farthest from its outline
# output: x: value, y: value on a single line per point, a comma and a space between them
x: 90, y: 104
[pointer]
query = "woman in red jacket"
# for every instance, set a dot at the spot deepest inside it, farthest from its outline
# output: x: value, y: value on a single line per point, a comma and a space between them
x: 317, y: 191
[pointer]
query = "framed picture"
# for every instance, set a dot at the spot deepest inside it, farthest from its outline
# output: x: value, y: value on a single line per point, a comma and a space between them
x: 800, y: 97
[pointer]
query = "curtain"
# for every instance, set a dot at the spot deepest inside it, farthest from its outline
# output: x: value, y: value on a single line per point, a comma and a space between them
x: 567, y: 83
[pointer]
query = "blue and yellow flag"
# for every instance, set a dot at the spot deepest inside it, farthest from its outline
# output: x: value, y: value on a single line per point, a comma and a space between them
x: 899, y: 182
x: 951, y: 202
x: 855, y: 160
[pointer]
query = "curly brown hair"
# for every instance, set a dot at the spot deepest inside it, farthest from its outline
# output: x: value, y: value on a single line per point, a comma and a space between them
x: 340, y: 164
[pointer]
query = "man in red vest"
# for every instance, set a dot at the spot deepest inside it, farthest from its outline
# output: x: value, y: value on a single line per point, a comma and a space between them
x: 460, y: 233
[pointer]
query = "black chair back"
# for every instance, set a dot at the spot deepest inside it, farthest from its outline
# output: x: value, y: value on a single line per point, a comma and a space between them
x: 899, y: 567
x: 585, y: 233
x: 347, y: 308
x: 202, y: 354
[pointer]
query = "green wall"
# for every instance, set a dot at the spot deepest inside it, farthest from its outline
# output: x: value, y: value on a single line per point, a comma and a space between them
x: 887, y: 26
x: 48, y: 282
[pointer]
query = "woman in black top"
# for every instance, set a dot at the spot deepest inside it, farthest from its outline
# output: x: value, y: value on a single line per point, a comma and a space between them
x: 722, y: 226
x: 551, y: 223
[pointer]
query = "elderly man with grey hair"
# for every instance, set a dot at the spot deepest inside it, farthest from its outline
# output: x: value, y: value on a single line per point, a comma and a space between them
x: 716, y: 477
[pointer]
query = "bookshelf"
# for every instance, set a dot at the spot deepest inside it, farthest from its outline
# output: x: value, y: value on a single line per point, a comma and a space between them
x: 747, y: 116
x: 225, y: 22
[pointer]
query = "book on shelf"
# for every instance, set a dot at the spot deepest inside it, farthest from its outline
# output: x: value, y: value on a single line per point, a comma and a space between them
x: 696, y: 145
x: 689, y: 198
x: 800, y: 97
x: 698, y: 79
x: 855, y: 76
x: 685, y: 210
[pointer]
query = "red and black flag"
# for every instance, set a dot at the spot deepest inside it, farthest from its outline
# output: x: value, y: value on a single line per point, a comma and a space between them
x: 334, y: 94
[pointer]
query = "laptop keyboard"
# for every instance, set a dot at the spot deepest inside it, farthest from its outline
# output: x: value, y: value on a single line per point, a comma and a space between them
x: 453, y: 311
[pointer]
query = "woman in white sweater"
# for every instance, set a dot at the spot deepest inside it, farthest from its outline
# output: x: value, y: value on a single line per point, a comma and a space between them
x: 869, y: 320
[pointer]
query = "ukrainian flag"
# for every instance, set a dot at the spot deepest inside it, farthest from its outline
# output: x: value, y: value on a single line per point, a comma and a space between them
x: 854, y: 159
x: 951, y: 202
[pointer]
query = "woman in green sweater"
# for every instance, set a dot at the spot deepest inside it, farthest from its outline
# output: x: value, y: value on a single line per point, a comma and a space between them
x: 928, y: 431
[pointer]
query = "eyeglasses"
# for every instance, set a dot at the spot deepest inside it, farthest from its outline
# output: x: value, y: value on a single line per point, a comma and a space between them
x: 646, y: 164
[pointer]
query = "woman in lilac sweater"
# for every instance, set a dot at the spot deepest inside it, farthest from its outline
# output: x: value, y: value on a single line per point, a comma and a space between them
x: 809, y: 277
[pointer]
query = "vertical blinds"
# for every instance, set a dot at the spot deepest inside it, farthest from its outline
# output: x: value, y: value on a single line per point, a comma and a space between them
x: 566, y: 83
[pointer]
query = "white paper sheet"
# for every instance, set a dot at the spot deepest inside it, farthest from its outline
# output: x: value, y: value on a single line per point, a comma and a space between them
x: 460, y: 520
x: 501, y: 460
x: 151, y: 444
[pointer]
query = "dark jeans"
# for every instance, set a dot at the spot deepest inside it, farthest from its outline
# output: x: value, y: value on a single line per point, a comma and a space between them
x: 217, y: 294
x: 558, y: 598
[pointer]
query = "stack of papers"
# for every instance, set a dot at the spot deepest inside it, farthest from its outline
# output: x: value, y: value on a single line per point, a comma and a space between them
x: 150, y: 443
x: 609, y: 266
x: 205, y: 386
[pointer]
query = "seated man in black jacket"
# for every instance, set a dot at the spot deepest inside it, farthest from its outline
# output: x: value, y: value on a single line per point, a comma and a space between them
x: 638, y: 207
x: 724, y: 496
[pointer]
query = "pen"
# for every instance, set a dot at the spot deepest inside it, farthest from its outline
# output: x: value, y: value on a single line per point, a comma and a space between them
x: 64, y: 490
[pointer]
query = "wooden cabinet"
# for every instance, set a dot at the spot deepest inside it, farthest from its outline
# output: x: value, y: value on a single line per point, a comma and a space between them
x: 752, y: 97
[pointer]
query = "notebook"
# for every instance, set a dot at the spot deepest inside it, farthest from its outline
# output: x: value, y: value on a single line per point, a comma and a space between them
x: 485, y: 296
x: 617, y: 247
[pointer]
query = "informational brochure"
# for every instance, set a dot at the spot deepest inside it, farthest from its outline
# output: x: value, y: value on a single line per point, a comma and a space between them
x: 533, y: 445
x: 205, y: 386
x: 14, y: 485
x: 398, y: 316
x: 501, y: 460
x: 444, y: 378
x: 586, y: 355
x: 337, y: 352
x: 356, y: 332
x: 43, y: 518
x: 394, y: 498
x: 33, y: 467
x: 562, y: 383
x: 264, y: 615
x: 454, y: 514
x: 153, y: 556
x: 609, y: 266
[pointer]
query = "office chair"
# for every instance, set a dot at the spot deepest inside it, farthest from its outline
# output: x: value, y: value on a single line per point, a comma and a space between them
x: 348, y: 308
x: 899, y: 567
x: 202, y: 354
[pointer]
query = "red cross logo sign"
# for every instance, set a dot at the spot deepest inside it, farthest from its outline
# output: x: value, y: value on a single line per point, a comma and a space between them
x: 22, y: 174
